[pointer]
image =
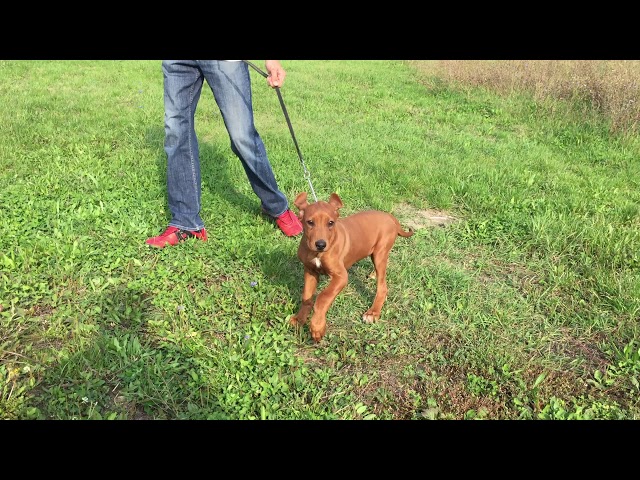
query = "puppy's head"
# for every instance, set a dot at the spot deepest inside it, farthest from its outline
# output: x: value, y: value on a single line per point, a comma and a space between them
x: 318, y: 220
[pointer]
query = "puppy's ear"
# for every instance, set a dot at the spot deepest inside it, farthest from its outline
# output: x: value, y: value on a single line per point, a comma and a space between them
x: 334, y: 200
x: 301, y: 203
x: 301, y: 200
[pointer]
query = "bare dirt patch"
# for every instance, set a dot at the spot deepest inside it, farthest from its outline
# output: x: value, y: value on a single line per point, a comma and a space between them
x: 415, y: 218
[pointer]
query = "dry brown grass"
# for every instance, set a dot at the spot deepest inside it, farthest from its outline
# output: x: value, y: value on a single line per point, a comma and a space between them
x: 609, y: 87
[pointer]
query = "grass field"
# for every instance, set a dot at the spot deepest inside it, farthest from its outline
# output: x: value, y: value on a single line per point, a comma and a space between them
x: 517, y: 298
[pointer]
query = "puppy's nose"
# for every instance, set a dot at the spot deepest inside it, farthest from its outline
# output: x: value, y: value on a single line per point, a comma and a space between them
x: 321, y: 245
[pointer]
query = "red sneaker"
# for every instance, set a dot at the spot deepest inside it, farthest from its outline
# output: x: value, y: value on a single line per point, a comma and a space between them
x: 289, y: 224
x: 173, y: 236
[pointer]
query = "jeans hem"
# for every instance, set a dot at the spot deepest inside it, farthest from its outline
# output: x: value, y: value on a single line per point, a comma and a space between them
x: 189, y: 229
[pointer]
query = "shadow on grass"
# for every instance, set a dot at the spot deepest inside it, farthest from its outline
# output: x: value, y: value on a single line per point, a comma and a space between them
x: 122, y: 370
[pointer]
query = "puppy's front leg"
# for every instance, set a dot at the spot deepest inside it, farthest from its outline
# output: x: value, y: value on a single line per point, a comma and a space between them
x: 324, y: 300
x: 308, y: 291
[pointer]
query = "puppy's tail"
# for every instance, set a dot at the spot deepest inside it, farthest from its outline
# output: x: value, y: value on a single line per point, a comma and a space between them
x: 402, y: 232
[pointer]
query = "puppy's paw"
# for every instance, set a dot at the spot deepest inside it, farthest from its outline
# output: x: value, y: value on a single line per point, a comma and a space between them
x: 317, y: 329
x: 318, y: 334
x: 370, y: 316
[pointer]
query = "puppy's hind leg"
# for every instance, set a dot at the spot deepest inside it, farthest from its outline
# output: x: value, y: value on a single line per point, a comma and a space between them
x: 380, y: 260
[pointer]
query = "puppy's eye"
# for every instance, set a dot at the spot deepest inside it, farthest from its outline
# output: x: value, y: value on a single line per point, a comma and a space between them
x: 331, y: 223
x: 310, y: 223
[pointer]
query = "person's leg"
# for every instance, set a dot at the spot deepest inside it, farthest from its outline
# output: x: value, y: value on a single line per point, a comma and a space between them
x: 182, y: 86
x: 231, y: 86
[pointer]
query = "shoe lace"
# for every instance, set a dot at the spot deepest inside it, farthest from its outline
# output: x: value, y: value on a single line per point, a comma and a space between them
x: 168, y: 231
x: 287, y: 217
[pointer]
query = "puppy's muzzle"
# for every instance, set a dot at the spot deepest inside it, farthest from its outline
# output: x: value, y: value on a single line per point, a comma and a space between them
x: 320, y: 245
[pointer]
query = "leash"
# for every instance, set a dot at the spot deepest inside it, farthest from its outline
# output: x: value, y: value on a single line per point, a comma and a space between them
x: 307, y: 175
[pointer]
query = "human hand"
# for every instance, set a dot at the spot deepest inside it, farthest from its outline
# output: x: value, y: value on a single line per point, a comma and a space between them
x: 275, y: 73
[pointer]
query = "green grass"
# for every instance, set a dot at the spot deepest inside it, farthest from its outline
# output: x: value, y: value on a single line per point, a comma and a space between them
x: 525, y: 307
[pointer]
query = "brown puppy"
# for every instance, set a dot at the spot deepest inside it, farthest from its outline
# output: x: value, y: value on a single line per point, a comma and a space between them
x: 331, y: 245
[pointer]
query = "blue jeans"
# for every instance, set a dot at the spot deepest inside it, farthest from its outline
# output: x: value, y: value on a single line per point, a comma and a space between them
x: 231, y: 86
